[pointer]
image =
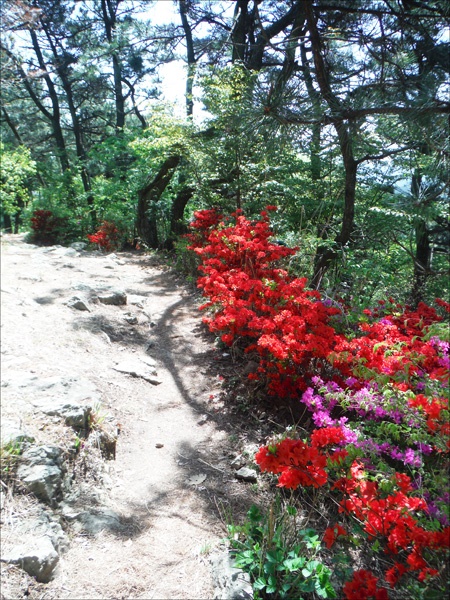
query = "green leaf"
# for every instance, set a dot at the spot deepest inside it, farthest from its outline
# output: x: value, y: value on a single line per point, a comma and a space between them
x: 260, y: 583
x: 294, y: 564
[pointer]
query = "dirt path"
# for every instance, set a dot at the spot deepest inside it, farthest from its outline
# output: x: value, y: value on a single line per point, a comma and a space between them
x: 172, y: 470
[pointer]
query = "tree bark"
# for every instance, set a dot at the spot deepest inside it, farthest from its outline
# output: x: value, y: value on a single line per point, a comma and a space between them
x: 109, y: 20
x: 325, y: 256
x: 191, y: 60
x: 55, y: 115
x: 239, y: 32
x: 146, y: 223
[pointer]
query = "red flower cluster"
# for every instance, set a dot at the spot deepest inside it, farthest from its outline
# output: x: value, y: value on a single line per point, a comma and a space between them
x: 395, y: 344
x: 364, y: 586
x: 332, y: 533
x: 287, y: 325
x: 433, y: 409
x: 299, y: 463
x: 258, y: 302
x: 386, y: 517
x: 45, y: 227
x: 391, y: 518
x: 106, y: 237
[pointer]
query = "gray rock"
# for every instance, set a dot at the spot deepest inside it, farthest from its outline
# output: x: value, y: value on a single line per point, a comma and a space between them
x: 95, y: 521
x: 49, y: 249
x: 131, y: 319
x: 78, y: 245
x: 238, y: 462
x: 78, y: 303
x: 148, y: 360
x: 230, y: 583
x: 45, y: 524
x: 83, y: 287
x: 113, y: 296
x: 75, y: 415
x: 59, y: 251
x: 61, y: 389
x: 246, y: 474
x: 41, y: 472
x: 43, y: 455
x: 44, y: 481
x: 39, y: 561
x: 135, y: 368
x: 48, y: 523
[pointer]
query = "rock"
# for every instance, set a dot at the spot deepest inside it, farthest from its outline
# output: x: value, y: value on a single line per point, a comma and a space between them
x: 78, y: 245
x: 196, y: 479
x: 43, y: 455
x: 59, y: 251
x: 148, y: 360
x: 98, y: 520
x: 62, y: 389
x: 74, y: 415
x: 246, y: 474
x: 49, y: 249
x: 131, y: 319
x: 230, y: 583
x: 78, y: 303
x: 39, y: 561
x: 48, y: 524
x: 137, y: 369
x: 45, y: 524
x: 115, y: 297
x: 83, y: 287
x: 238, y: 462
x: 41, y: 472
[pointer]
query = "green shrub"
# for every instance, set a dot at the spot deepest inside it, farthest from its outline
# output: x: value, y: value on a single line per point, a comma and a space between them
x: 282, y: 559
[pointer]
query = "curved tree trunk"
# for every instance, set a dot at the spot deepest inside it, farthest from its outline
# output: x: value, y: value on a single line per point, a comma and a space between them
x: 148, y: 196
x: 325, y: 256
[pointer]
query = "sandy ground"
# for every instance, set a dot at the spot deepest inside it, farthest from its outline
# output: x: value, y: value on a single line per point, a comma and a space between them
x: 171, y: 482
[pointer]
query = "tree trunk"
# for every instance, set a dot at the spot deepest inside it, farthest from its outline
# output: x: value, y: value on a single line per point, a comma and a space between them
x: 109, y: 20
x: 325, y: 256
x: 146, y: 223
x: 421, y: 262
x: 55, y: 117
x: 76, y: 127
x: 18, y: 215
x: 422, y: 258
x: 239, y: 32
x: 191, y: 61
x: 177, y: 224
x: 7, y: 223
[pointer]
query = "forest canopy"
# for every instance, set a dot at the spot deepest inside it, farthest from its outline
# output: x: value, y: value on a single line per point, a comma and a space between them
x: 337, y: 113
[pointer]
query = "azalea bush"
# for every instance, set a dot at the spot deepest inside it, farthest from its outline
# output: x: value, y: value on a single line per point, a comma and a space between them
x: 256, y: 303
x: 375, y: 384
x: 46, y: 227
x: 107, y: 237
